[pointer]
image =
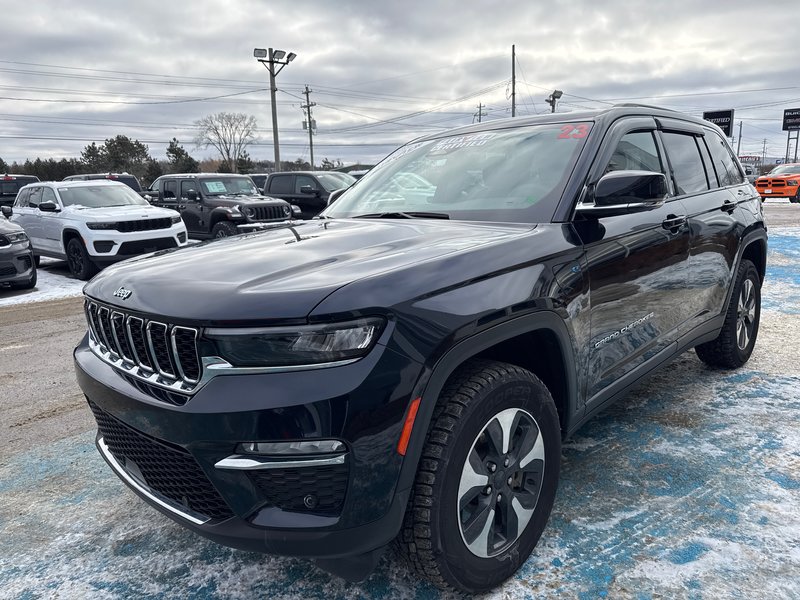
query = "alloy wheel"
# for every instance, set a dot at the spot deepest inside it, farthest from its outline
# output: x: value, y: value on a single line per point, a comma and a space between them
x: 500, y: 482
x: 746, y: 314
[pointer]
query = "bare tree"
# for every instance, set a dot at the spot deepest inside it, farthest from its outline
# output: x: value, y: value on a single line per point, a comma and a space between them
x: 229, y: 133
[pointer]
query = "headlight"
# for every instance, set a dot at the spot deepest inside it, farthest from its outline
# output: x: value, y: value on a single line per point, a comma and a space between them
x: 16, y: 238
x: 102, y: 225
x: 292, y: 346
x: 249, y: 212
x: 176, y: 219
x: 792, y: 182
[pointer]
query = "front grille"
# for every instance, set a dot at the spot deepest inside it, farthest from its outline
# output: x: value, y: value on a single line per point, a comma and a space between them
x: 143, y: 246
x: 287, y: 488
x: 144, y: 225
x: 144, y: 348
x: 167, y: 470
x: 771, y: 183
x: 269, y: 213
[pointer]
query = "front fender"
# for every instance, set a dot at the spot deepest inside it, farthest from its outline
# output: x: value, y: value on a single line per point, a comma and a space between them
x: 432, y: 381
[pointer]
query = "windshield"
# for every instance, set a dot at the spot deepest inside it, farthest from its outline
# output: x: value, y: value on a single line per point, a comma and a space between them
x: 100, y: 196
x: 514, y: 175
x: 227, y: 186
x: 335, y: 181
x: 785, y: 170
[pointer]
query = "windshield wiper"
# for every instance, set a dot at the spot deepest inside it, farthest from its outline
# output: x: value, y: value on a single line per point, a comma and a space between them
x: 403, y: 215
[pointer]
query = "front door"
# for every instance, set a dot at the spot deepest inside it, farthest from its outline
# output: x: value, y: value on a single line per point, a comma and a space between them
x: 637, y: 265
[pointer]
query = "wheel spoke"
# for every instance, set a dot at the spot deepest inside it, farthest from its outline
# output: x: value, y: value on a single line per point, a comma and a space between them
x: 506, y: 420
x: 471, y: 479
x: 478, y: 531
x: 523, y: 515
x: 535, y: 453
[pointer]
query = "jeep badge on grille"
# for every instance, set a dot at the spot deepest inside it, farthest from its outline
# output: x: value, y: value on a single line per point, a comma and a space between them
x: 123, y: 293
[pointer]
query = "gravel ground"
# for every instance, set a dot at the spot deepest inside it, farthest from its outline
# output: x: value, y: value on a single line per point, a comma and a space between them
x: 687, y: 488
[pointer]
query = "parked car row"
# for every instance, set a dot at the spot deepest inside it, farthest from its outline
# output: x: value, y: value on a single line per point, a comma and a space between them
x: 94, y: 220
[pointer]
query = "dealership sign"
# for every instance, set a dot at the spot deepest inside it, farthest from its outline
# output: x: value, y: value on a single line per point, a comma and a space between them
x: 791, y: 119
x: 721, y: 118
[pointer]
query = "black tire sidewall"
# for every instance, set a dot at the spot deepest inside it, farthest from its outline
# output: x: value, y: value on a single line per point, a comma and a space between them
x: 227, y: 227
x: 86, y: 266
x: 457, y: 563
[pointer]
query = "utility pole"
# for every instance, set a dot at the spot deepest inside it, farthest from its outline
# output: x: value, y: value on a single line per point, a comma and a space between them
x: 308, y: 106
x: 739, y: 145
x: 764, y: 153
x: 513, y: 80
x: 270, y: 58
x: 480, y: 113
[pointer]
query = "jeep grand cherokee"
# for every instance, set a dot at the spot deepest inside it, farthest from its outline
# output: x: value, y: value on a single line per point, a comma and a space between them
x: 406, y: 366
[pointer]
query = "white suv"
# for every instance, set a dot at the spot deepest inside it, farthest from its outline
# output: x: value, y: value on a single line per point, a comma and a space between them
x: 93, y: 223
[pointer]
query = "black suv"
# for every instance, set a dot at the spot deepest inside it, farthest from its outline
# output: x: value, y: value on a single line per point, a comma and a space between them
x: 309, y: 190
x: 215, y: 205
x: 126, y: 178
x: 10, y: 184
x: 406, y: 366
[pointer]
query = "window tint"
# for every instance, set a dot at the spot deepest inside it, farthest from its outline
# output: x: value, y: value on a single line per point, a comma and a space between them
x: 35, y: 198
x: 301, y: 180
x: 687, y: 166
x: 187, y: 185
x: 49, y: 195
x: 170, y: 189
x: 727, y: 171
x: 22, y: 198
x: 636, y: 152
x: 281, y: 184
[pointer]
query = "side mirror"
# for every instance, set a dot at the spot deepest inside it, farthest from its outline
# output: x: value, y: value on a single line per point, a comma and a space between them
x: 7, y: 211
x: 622, y: 192
x: 335, y: 194
x: 192, y: 196
x: 307, y: 189
x: 49, y: 207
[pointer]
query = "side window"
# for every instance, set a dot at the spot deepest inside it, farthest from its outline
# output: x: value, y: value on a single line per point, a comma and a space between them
x: 636, y: 151
x: 35, y: 198
x: 186, y: 185
x: 727, y: 170
x: 22, y: 198
x: 302, y: 180
x: 49, y: 195
x: 687, y: 166
x: 281, y: 184
x: 170, y: 189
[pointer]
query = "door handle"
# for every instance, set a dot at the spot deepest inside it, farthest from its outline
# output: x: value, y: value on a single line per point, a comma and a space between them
x: 673, y: 222
x: 728, y: 206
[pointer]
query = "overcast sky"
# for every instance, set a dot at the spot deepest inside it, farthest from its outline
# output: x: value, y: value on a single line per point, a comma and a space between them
x: 382, y: 73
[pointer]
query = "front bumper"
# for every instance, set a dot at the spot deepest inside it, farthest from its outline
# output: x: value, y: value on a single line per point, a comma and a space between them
x: 246, y: 510
x: 113, y: 246
x: 16, y: 263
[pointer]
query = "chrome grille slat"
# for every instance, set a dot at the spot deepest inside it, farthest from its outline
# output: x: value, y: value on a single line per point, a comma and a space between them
x: 158, y: 353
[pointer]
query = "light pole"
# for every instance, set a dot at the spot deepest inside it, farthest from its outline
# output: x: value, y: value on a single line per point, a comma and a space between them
x: 552, y: 98
x: 269, y: 58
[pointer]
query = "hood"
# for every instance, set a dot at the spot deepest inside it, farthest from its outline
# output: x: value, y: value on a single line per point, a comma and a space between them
x: 7, y: 226
x: 119, y: 213
x: 283, y: 273
x: 246, y: 201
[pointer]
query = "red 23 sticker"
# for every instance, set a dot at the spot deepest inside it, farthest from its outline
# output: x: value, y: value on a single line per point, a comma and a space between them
x: 574, y: 132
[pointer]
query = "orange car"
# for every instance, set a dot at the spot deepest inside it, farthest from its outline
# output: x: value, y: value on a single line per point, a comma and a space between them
x: 782, y: 182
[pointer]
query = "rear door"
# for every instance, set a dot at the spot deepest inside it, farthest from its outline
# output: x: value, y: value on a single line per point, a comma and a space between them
x: 714, y: 214
x: 310, y: 203
x: 192, y: 211
x: 637, y: 266
x: 280, y: 186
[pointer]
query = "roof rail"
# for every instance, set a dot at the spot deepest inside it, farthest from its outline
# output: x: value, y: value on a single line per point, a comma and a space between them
x: 642, y: 105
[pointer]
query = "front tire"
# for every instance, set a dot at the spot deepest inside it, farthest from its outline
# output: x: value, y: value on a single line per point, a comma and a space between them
x: 78, y: 260
x: 487, y: 478
x: 224, y: 229
x: 735, y: 343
